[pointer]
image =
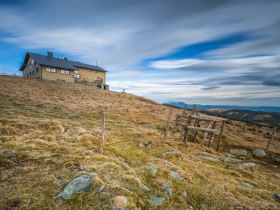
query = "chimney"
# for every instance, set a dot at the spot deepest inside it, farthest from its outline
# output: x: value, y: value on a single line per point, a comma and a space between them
x: 64, y: 58
x: 50, y: 54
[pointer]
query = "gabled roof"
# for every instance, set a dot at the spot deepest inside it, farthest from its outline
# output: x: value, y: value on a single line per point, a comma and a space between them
x: 58, y: 62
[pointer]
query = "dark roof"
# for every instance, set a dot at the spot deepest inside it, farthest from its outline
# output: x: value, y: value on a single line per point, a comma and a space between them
x: 58, y: 62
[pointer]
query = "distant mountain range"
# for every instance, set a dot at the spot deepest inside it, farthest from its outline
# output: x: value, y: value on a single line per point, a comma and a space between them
x: 227, y: 107
x: 262, y: 115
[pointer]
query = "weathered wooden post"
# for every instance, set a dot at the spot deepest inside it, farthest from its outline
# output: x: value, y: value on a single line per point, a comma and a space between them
x: 220, y: 136
x: 206, y: 134
x: 211, y: 135
x: 167, y: 126
x: 186, y: 135
x: 194, y: 112
x: 184, y: 111
x: 103, y: 132
x: 271, y: 138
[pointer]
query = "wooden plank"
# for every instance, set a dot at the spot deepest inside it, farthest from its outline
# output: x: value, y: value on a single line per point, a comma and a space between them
x: 103, y: 132
x: 208, y: 130
x: 207, y: 118
x: 167, y: 126
x: 271, y: 138
x: 220, y: 136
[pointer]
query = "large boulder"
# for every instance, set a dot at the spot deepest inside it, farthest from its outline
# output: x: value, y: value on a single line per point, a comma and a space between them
x: 259, y: 153
x: 79, y: 184
x: 238, y: 152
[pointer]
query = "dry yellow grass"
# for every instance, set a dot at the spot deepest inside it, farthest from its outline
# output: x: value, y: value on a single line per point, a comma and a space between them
x: 54, y: 127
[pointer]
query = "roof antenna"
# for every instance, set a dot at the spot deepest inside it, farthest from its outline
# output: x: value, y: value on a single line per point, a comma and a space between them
x: 95, y: 62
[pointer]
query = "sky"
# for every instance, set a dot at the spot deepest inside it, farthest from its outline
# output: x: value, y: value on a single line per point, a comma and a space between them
x: 214, y: 52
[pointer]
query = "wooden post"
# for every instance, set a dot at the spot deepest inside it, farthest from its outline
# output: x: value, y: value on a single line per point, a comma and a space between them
x: 211, y: 135
x: 176, y: 120
x: 271, y: 138
x: 184, y: 111
x: 220, y: 136
x: 186, y: 135
x: 103, y: 132
x: 167, y: 126
x: 205, y: 134
x: 195, y: 132
x: 194, y: 112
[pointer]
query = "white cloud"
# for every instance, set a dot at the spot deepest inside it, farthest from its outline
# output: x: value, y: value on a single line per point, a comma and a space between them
x: 173, y: 64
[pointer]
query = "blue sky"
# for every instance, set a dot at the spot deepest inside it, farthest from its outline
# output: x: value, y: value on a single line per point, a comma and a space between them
x: 208, y: 52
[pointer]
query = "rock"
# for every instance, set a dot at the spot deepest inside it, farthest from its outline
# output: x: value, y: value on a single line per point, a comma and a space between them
x: 156, y: 201
x: 175, y: 175
x: 247, y: 185
x: 80, y: 168
x: 145, y: 145
x: 166, y: 187
x: 128, y: 162
x: 275, y: 159
x: 144, y: 187
x: 228, y: 160
x: 259, y: 153
x: 238, y: 152
x: 58, y: 181
x: 120, y: 202
x: 245, y: 165
x: 12, y: 110
x: 172, y: 152
x: 9, y: 153
x: 238, y: 207
x: 147, y: 126
x: 153, y: 169
x: 185, y: 194
x: 100, y: 188
x: 79, y: 184
x: 277, y: 197
x: 207, y: 158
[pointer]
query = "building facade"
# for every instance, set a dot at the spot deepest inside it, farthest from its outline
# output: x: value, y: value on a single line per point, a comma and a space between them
x: 52, y: 68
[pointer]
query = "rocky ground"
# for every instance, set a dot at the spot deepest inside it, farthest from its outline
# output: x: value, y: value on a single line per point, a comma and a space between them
x: 50, y: 155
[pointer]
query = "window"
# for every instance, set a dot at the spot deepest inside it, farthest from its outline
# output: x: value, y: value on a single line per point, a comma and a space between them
x: 32, y: 62
x: 64, y: 71
x: 77, y: 76
x: 50, y: 70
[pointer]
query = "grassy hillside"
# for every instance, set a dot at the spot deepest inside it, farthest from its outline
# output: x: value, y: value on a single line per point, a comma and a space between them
x: 50, y: 134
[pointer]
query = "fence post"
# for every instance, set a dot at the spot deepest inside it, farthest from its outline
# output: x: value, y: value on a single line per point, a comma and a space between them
x: 103, y: 132
x: 167, y: 126
x: 220, y: 136
x: 271, y: 138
